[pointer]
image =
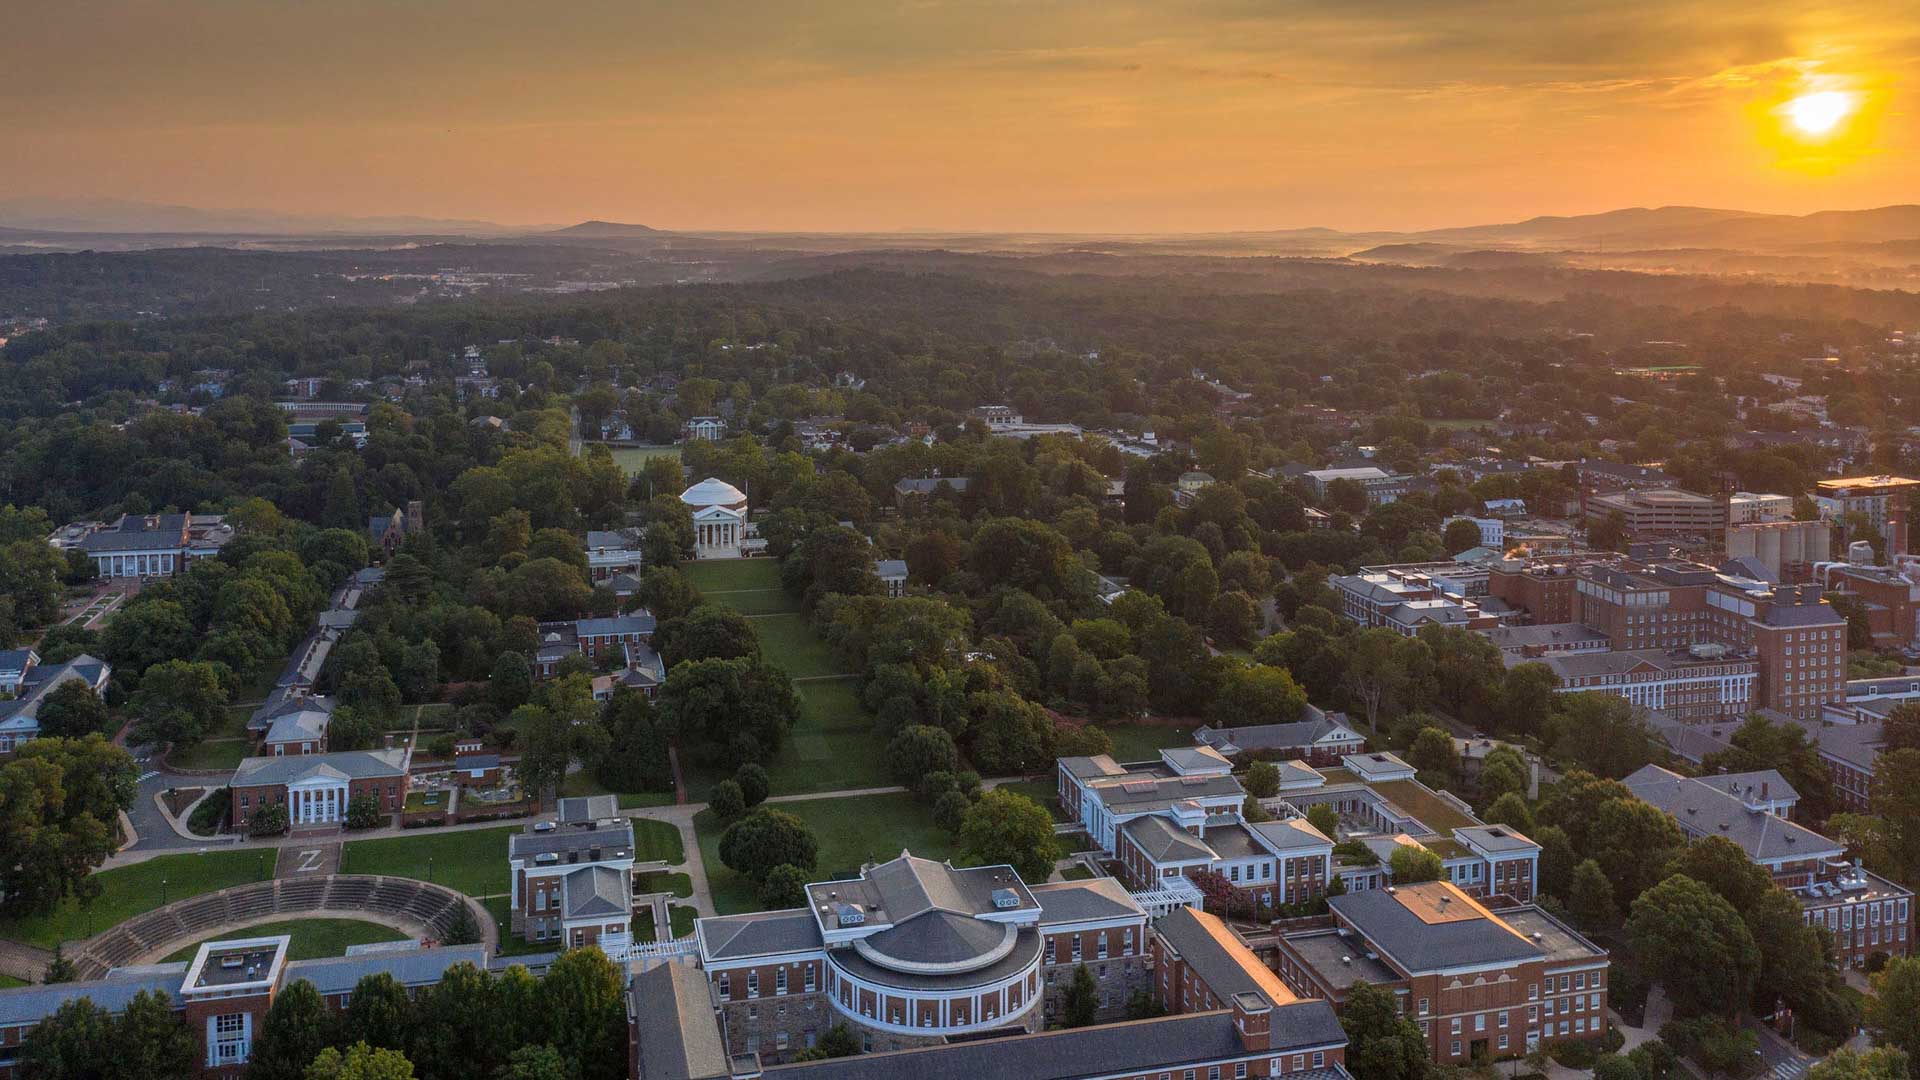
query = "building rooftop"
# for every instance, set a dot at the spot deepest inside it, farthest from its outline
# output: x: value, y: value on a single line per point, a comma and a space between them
x: 1165, y: 842
x: 1084, y: 901
x: 759, y: 933
x: 1221, y: 960
x: 1298, y: 734
x: 670, y: 1008
x: 1702, y: 809
x: 1339, y: 961
x: 341, y: 765
x: 409, y: 967
x: 1432, y: 926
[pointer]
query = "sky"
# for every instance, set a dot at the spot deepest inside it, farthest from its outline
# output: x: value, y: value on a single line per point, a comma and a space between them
x: 987, y: 115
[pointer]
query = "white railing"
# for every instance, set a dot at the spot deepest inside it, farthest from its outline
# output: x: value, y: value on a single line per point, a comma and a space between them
x: 1174, y: 892
x: 643, y: 955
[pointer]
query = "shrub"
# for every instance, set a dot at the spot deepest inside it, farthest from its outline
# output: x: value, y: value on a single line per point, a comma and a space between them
x: 268, y: 821
x: 211, y: 815
x: 363, y: 812
x: 727, y: 801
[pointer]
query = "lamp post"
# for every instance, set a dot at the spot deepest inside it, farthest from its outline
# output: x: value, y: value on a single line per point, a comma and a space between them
x: 163, y: 892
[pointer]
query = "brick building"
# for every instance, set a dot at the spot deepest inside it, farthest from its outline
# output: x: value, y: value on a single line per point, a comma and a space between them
x: 1865, y: 912
x: 1482, y: 983
x: 1320, y: 739
x: 317, y: 789
x: 1701, y: 683
x: 571, y: 881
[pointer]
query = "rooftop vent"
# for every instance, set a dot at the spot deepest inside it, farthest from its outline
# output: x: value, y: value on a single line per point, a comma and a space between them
x: 546, y: 858
x: 1538, y: 936
x: 848, y: 915
x: 1348, y: 960
x: 1005, y: 898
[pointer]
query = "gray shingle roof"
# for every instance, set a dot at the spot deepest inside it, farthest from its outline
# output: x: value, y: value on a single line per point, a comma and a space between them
x: 300, y: 725
x: 344, y: 765
x: 1290, y: 834
x: 1705, y: 810
x: 1395, y: 930
x: 1163, y: 841
x: 418, y: 967
x: 594, y: 890
x: 939, y: 937
x: 31, y: 1004
x: 760, y: 933
x: 1082, y: 901
x: 674, y: 1025
x: 1297, y: 735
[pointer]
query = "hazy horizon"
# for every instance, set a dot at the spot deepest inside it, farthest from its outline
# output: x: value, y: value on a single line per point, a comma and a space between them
x: 991, y: 116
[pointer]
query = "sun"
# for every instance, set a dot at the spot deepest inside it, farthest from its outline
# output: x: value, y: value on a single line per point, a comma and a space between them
x: 1819, y: 113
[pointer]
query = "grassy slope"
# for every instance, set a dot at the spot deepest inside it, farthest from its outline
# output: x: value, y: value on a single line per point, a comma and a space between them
x: 137, y: 889
x: 313, y: 939
x: 866, y: 828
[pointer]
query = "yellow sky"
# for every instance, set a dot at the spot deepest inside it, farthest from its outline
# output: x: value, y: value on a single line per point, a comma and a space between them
x: 1033, y: 115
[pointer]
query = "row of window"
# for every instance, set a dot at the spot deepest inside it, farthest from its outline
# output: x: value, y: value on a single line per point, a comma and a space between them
x: 809, y: 981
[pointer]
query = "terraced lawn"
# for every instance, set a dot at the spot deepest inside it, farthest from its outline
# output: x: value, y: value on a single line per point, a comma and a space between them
x: 313, y: 939
x: 852, y: 831
x: 140, y: 888
x: 790, y: 644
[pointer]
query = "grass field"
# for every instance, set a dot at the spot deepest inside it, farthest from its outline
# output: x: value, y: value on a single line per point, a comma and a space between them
x: 1044, y: 792
x: 681, y: 916
x: 749, y: 586
x: 137, y: 889
x: 1143, y: 742
x: 473, y: 861
x: 313, y: 939
x: 866, y: 828
x: 790, y: 644
x: 8, y: 982
x: 680, y: 885
x: 1076, y: 872
x: 657, y: 840
x: 632, y: 458
x: 584, y: 783
x: 223, y: 747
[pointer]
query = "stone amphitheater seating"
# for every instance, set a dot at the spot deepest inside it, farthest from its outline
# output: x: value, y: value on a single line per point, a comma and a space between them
x: 186, y: 921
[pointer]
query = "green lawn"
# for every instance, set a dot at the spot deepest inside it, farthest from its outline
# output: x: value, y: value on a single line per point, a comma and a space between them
x: 1044, y: 792
x: 680, y: 885
x: 583, y: 783
x: 681, y: 916
x: 790, y: 644
x: 8, y: 982
x: 137, y: 889
x: 473, y: 861
x: 755, y: 601
x: 657, y: 840
x: 313, y: 939
x: 633, y: 458
x: 1076, y: 872
x: 833, y: 747
x: 210, y: 754
x: 511, y: 945
x: 732, y: 575
x: 866, y: 828
x: 1143, y: 742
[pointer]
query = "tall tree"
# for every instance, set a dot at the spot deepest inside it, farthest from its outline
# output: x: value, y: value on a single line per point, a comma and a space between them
x: 378, y: 1013
x: 764, y: 839
x: 583, y: 1001
x: 1082, y: 1000
x: 1696, y: 945
x: 1007, y: 827
x: 75, y: 1043
x: 1894, y: 1008
x: 1382, y: 1042
x: 297, y: 1027
x: 360, y: 1062
x: 151, y: 1038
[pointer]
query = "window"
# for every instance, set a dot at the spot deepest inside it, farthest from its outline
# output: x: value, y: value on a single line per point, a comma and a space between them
x: 1049, y: 950
x: 1503, y: 1018
x: 1456, y: 1048
x: 1100, y: 951
x: 1455, y: 1028
x: 1423, y: 1006
x: 230, y: 1039
x: 1076, y: 948
x: 1299, y: 1062
x: 1479, y: 1021
x: 753, y: 983
x: 1239, y: 1070
x: 724, y: 990
x: 780, y: 980
x: 1503, y: 1042
x: 1319, y: 1059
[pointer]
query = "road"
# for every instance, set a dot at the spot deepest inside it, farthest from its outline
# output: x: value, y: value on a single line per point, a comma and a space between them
x: 1783, y: 1060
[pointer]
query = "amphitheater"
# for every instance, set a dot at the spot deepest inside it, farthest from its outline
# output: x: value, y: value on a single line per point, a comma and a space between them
x: 415, y: 907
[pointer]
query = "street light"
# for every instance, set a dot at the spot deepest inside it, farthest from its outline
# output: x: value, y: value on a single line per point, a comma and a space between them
x: 163, y: 892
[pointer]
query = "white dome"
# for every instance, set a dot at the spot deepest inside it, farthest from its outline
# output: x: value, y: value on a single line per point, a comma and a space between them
x: 713, y: 492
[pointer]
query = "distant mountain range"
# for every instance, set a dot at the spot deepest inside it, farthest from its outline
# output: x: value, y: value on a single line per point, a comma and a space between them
x: 603, y: 230
x: 126, y: 216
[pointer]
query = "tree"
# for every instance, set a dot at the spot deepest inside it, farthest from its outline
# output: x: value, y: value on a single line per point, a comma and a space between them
x: 706, y: 632
x: 1233, y: 618
x: 1324, y: 818
x: 1459, y: 535
x: 59, y: 969
x: 363, y: 811
x: 1262, y: 780
x: 1894, y: 1008
x: 725, y: 712
x: 839, y: 1041
x: 1696, y: 945
x: 1615, y: 1067
x: 764, y: 839
x: 267, y: 821
x: 178, y: 702
x: 583, y: 998
x: 636, y: 757
x: 1590, y: 896
x: 148, y: 632
x: 75, y: 1043
x: 71, y: 710
x: 512, y: 681
x: 462, y: 1028
x: 1007, y: 733
x: 728, y: 801
x: 150, y: 1038
x: 60, y: 799
x: 1525, y: 699
x: 1896, y: 801
x: 1382, y: 1042
x: 1632, y: 842
x: 918, y: 752
x: 360, y: 1062
x: 1007, y: 827
x: 1511, y: 809
x: 1432, y: 751
x: 1600, y: 733
x: 1879, y: 1063
x: 785, y: 887
x: 1257, y: 694
x: 536, y: 1063
x: 378, y: 1013
x: 1411, y: 863
x: 754, y: 783
x: 1082, y: 999
x: 297, y: 1027
x: 1723, y: 866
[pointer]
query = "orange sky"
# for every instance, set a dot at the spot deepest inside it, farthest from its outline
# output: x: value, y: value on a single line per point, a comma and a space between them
x: 1033, y: 115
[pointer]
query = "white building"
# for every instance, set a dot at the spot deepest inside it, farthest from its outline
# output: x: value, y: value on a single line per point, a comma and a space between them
x: 719, y: 518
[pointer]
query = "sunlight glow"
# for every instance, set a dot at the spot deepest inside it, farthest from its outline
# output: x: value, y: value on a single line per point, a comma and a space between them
x: 1819, y: 113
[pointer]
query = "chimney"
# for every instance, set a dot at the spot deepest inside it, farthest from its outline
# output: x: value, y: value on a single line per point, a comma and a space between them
x: 1764, y: 785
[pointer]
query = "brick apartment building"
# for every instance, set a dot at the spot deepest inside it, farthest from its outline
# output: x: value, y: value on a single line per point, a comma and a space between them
x: 1700, y: 683
x: 1865, y: 912
x: 1482, y: 983
x: 1543, y: 588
